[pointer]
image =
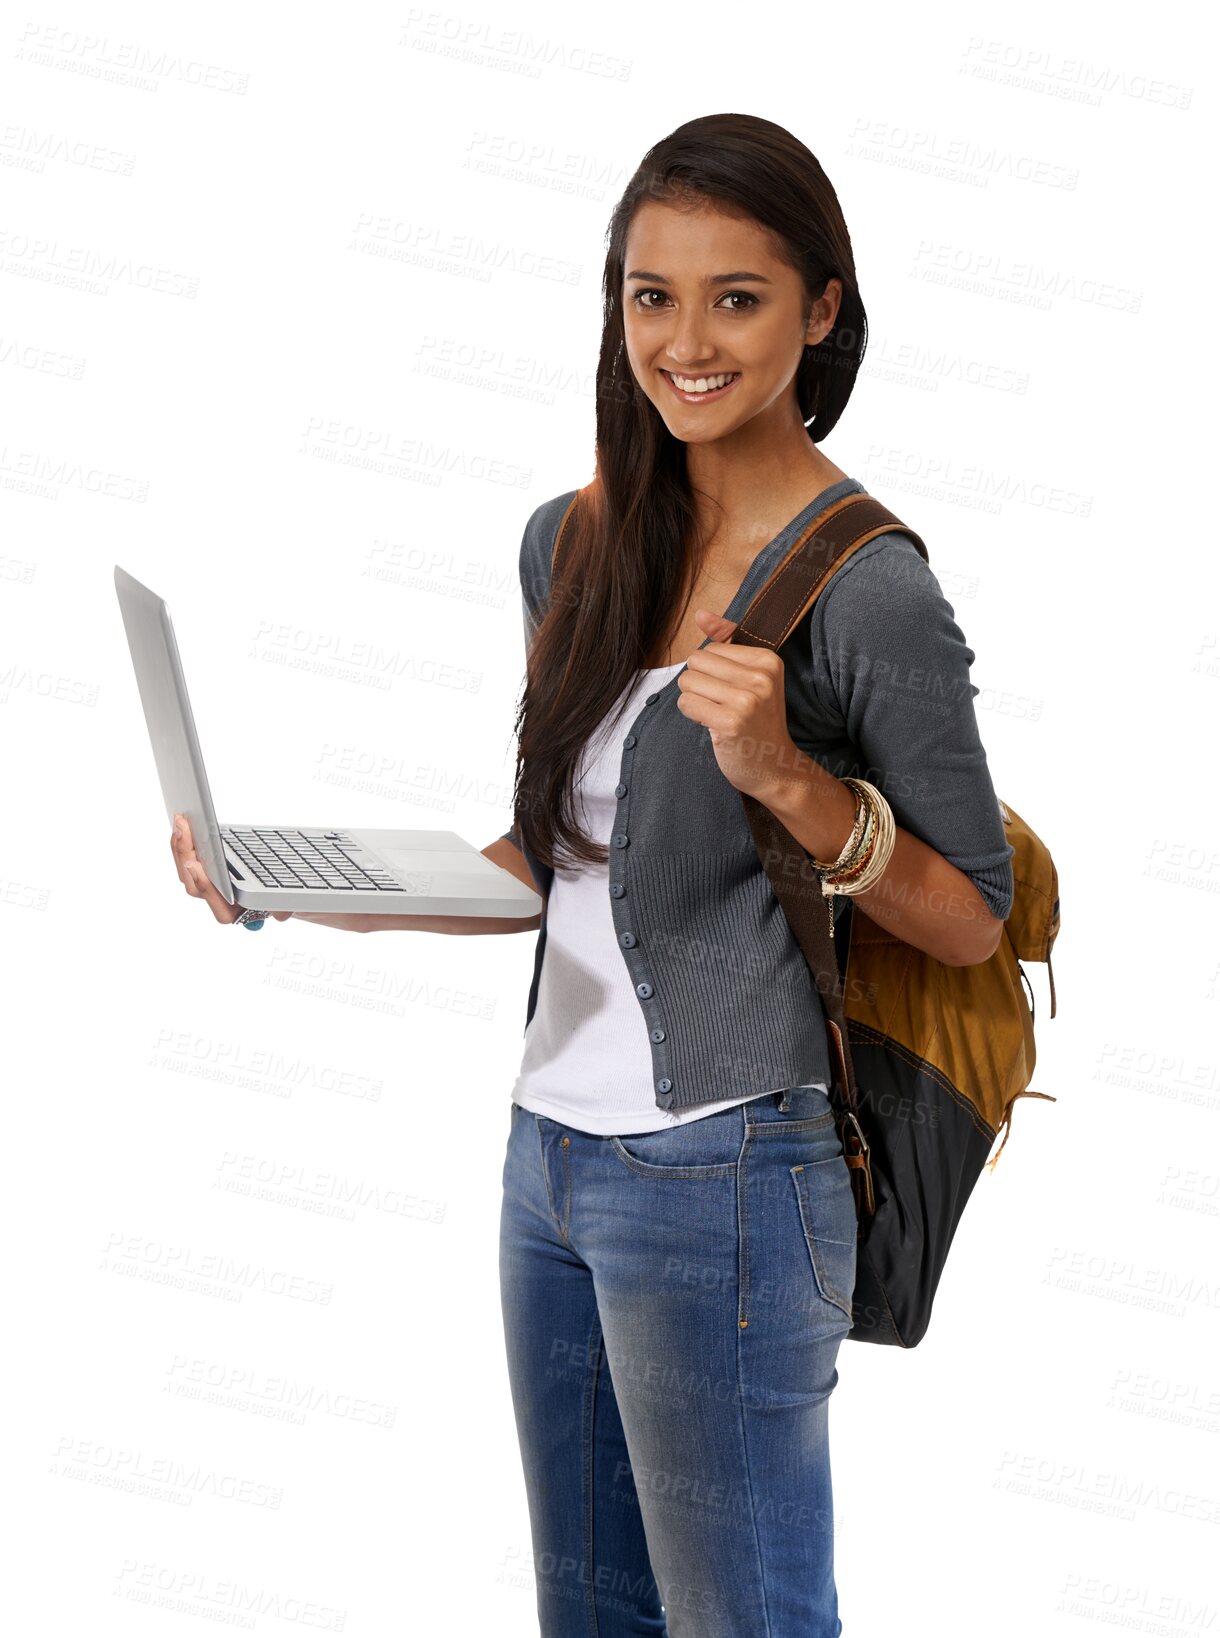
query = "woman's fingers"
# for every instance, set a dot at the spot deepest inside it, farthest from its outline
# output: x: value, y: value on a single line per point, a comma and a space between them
x: 194, y: 877
x: 220, y: 908
x: 177, y: 840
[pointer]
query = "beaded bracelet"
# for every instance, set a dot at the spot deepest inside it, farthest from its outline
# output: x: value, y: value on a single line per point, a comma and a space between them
x: 854, y: 840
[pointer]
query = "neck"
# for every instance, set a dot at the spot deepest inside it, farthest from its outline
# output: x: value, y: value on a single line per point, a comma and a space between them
x: 744, y: 483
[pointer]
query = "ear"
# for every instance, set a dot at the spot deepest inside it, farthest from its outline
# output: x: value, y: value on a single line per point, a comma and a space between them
x: 824, y: 313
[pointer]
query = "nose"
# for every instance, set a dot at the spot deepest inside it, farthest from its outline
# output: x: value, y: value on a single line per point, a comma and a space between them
x: 688, y: 341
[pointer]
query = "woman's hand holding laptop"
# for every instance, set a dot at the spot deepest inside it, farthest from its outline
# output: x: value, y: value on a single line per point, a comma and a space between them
x: 194, y: 877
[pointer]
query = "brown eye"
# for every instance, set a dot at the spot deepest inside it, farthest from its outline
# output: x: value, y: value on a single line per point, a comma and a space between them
x: 646, y: 306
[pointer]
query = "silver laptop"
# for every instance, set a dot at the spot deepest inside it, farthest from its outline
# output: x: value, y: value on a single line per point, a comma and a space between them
x: 325, y: 867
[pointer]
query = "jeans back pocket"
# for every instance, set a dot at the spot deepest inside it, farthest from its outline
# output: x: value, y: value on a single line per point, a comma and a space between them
x: 828, y: 1217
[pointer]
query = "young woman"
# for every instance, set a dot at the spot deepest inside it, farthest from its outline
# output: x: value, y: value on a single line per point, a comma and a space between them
x: 678, y: 1228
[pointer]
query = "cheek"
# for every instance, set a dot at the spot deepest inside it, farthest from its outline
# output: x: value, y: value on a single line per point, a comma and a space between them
x: 636, y: 363
x: 637, y: 352
x: 772, y: 343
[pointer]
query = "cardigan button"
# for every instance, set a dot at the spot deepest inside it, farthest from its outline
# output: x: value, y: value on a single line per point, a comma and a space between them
x: 617, y: 890
x: 629, y: 741
x: 644, y: 990
x: 620, y: 789
x: 652, y: 699
x: 619, y: 839
x: 658, y: 1034
x: 629, y: 939
x: 665, y: 1085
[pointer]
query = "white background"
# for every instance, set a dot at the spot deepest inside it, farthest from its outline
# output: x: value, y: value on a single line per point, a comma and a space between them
x: 241, y: 247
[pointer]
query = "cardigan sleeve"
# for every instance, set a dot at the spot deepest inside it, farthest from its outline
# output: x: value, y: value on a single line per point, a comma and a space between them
x: 534, y: 572
x: 886, y: 641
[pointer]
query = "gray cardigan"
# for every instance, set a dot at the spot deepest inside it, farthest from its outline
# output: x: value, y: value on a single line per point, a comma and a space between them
x: 877, y: 686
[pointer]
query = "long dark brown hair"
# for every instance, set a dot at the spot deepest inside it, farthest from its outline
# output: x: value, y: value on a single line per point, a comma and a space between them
x: 630, y: 555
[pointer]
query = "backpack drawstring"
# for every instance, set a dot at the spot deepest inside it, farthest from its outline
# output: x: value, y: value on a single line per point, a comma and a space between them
x: 1007, y: 1121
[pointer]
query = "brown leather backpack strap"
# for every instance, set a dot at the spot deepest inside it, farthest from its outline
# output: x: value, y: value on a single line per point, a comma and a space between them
x: 780, y: 605
x: 811, y: 562
x: 800, y: 896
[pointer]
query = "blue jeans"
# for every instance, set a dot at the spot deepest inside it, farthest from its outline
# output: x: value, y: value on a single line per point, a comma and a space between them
x: 673, y: 1307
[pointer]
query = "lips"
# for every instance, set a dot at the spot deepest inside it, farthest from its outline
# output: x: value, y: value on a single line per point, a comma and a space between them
x: 702, y: 397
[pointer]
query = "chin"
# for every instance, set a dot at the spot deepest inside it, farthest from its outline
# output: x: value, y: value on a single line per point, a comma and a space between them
x: 693, y: 435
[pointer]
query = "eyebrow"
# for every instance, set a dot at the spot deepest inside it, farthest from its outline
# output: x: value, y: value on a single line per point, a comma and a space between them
x: 710, y: 278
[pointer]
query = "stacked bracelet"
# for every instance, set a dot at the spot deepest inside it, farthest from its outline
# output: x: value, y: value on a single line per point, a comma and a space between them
x: 867, y: 850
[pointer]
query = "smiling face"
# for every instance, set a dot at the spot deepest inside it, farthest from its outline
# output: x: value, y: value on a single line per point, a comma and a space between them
x: 715, y: 324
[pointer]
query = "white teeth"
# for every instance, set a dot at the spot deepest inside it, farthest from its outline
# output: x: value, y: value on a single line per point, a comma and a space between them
x: 702, y: 383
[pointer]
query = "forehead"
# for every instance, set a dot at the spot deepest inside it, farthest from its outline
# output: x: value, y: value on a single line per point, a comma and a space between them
x: 673, y: 240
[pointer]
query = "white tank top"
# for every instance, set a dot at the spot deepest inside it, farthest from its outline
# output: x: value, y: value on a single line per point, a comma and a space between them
x: 587, y: 1061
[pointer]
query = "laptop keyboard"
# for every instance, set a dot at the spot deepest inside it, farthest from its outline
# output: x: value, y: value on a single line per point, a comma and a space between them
x: 296, y: 858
